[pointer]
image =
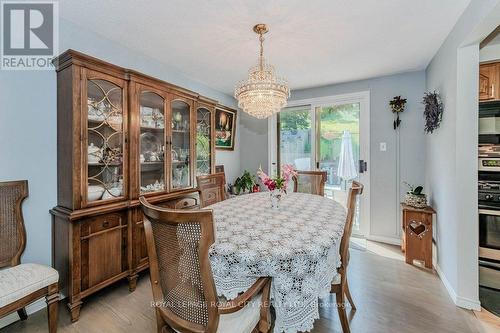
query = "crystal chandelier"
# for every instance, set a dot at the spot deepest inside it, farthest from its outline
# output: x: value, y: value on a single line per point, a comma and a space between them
x: 263, y: 93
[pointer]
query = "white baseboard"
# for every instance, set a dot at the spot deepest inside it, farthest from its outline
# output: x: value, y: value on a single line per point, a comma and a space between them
x: 384, y: 239
x: 30, y: 309
x: 462, y: 302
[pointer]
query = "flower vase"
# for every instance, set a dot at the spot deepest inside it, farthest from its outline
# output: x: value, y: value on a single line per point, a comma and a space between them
x: 276, y: 196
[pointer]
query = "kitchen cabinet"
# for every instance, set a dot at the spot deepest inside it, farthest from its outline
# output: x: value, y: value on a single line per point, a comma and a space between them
x: 489, y: 80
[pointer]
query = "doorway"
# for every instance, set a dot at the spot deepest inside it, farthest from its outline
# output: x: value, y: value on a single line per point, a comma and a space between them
x: 329, y: 134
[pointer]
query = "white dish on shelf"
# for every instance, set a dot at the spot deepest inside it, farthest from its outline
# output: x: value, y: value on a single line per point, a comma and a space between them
x: 94, y: 154
x: 150, y: 143
x: 112, y: 193
x: 94, y: 192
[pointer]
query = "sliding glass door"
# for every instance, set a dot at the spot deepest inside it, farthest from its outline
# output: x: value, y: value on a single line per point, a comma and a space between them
x: 331, y: 135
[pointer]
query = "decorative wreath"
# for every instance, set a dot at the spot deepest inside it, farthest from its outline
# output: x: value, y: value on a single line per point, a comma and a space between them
x: 433, y: 112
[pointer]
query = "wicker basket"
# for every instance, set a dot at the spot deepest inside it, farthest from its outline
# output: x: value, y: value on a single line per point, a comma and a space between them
x: 417, y: 201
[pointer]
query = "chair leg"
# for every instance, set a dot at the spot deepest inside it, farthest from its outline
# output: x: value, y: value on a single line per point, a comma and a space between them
x: 348, y: 295
x: 265, y: 311
x: 22, y: 314
x: 342, y: 313
x: 161, y: 324
x: 52, y: 300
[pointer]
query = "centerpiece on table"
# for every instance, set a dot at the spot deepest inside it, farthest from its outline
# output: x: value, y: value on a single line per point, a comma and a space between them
x: 277, y: 185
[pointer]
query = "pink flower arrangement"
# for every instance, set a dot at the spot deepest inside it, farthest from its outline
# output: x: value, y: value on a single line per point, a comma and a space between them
x: 280, y: 182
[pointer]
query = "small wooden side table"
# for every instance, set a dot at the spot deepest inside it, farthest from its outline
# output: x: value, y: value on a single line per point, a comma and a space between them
x: 417, y: 234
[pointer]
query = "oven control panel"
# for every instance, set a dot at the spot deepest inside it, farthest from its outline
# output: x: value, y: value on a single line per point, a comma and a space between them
x: 489, y: 164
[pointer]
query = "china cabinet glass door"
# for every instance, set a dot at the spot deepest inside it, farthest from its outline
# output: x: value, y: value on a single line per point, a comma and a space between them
x: 151, y: 142
x: 203, y: 141
x: 180, y: 145
x: 105, y: 140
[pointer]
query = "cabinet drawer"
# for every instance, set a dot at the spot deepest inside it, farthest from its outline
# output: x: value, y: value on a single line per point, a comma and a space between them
x: 185, y: 203
x: 188, y: 202
x: 100, y: 223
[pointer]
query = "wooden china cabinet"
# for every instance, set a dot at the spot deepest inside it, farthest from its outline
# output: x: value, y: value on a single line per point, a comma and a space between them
x: 121, y: 134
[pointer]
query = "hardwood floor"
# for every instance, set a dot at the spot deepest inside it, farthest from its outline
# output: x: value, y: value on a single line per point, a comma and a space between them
x: 390, y: 296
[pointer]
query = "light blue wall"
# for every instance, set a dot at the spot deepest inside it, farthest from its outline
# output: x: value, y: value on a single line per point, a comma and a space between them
x: 384, y: 198
x: 451, y: 155
x: 28, y: 127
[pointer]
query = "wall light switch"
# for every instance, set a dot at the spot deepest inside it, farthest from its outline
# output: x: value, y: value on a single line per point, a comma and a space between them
x: 383, y: 146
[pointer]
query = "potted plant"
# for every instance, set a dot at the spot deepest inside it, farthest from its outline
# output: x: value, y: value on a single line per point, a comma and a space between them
x: 244, y: 183
x: 414, y: 197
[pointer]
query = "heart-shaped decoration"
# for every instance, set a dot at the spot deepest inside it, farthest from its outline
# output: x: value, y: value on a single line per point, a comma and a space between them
x: 417, y: 228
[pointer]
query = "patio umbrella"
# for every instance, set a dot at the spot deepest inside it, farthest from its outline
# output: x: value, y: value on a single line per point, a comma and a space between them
x: 347, y: 166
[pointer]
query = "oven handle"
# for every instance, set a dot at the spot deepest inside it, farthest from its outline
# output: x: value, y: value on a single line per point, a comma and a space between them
x: 489, y: 212
x: 489, y: 264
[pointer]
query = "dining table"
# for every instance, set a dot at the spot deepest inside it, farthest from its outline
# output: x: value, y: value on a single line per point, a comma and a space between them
x: 296, y: 244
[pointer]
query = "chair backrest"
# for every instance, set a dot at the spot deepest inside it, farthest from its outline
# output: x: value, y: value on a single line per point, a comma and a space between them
x: 181, y: 276
x: 212, y: 188
x: 312, y: 182
x: 355, y: 190
x: 12, y: 231
x: 219, y: 168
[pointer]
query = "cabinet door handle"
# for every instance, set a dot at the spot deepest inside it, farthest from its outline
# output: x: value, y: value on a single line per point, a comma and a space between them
x: 492, y: 91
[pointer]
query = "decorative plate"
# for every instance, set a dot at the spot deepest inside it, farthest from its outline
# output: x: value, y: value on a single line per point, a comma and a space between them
x: 150, y: 143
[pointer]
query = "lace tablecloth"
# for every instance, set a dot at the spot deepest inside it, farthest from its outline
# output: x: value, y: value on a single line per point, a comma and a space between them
x: 297, y: 245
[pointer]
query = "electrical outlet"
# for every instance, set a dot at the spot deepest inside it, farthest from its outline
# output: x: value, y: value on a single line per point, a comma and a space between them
x: 383, y: 146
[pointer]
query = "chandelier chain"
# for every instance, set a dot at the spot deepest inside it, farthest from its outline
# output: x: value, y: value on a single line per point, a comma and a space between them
x: 261, y: 58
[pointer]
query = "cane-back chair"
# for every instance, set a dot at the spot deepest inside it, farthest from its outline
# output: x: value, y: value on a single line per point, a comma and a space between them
x: 312, y: 182
x: 184, y: 291
x: 21, y: 284
x: 340, y: 286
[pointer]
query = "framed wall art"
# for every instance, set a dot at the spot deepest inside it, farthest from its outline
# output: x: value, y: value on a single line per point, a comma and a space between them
x: 225, y: 128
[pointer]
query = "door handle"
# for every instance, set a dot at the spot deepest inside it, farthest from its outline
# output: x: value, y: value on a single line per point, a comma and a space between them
x: 489, y: 264
x: 363, y: 166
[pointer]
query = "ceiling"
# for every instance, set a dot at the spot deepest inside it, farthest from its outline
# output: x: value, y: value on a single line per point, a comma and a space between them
x: 311, y: 43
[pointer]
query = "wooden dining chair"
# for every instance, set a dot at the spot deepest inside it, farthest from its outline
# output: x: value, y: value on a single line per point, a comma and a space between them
x: 21, y: 284
x: 212, y: 188
x: 339, y: 285
x: 184, y: 291
x: 219, y: 168
x: 312, y: 182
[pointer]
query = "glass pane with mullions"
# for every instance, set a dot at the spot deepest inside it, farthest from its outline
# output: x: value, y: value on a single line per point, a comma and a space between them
x: 105, y: 140
x: 203, y: 142
x: 295, y: 137
x: 181, y: 136
x: 152, y: 147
